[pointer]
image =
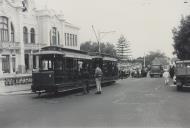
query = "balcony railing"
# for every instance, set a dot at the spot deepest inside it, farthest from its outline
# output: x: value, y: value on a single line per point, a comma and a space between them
x: 31, y: 46
x: 9, y: 45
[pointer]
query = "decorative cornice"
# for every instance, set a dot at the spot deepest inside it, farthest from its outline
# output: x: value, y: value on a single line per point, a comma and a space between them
x: 15, y: 4
x: 70, y: 25
x: 2, y: 13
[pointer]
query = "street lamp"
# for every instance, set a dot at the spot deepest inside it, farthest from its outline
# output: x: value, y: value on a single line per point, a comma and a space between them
x: 144, y: 59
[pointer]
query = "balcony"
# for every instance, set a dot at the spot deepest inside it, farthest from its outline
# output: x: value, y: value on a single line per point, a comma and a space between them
x: 31, y: 46
x: 9, y: 45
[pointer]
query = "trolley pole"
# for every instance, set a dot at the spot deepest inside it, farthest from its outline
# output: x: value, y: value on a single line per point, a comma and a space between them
x: 98, y: 37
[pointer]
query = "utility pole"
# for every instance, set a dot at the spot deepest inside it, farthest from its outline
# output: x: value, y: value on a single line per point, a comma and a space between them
x: 144, y: 61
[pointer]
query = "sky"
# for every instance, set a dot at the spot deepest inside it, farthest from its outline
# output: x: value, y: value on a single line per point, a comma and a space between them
x: 146, y: 24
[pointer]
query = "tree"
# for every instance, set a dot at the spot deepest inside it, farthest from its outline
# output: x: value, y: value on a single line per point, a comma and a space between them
x: 181, y: 36
x: 106, y: 48
x: 152, y: 55
x: 123, y: 50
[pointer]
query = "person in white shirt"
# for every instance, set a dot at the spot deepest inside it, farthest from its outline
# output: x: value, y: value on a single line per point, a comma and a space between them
x: 166, y: 76
x: 98, y: 77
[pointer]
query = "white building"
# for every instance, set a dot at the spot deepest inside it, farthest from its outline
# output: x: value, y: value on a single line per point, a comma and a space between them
x: 25, y: 29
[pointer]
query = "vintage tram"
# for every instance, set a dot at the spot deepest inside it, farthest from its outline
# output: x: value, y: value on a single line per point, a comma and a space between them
x: 60, y: 69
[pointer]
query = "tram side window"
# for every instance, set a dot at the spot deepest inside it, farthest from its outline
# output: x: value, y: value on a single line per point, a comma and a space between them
x: 69, y: 64
x: 188, y: 65
x: 180, y: 65
x: 59, y: 65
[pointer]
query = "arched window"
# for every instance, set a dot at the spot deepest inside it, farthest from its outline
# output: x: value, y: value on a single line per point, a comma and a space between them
x: 71, y: 40
x: 32, y: 35
x: 12, y: 33
x: 25, y: 35
x: 54, y: 36
x: 58, y: 42
x: 68, y: 42
x: 25, y: 5
x: 50, y: 37
x: 4, y: 32
x: 65, y: 39
x: 76, y: 40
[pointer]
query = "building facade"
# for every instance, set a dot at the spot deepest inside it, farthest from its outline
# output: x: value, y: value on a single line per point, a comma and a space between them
x: 24, y: 30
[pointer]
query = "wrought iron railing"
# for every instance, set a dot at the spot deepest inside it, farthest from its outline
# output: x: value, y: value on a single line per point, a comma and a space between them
x: 16, y: 80
x: 9, y: 45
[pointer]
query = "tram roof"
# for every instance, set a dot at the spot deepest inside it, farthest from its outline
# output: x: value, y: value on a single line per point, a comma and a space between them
x: 49, y: 52
x: 182, y: 61
x: 63, y: 51
x: 72, y: 53
x: 77, y: 55
x: 105, y: 57
x: 109, y: 59
x: 57, y: 48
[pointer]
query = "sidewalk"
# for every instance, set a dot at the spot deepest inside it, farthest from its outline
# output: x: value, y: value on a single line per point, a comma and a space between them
x: 16, y: 89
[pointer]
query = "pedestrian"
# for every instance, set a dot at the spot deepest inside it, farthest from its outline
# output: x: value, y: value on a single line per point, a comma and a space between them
x: 138, y: 73
x: 166, y: 76
x: 122, y: 74
x: 85, y: 80
x: 98, y: 78
x: 171, y: 71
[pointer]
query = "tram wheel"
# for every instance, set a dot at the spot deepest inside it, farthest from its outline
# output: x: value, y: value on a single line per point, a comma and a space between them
x: 39, y: 93
x: 179, y: 87
x: 55, y: 92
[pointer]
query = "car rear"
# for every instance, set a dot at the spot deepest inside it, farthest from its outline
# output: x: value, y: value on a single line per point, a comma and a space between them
x: 156, y: 70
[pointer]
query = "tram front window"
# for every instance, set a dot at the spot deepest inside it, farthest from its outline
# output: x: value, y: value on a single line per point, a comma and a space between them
x: 45, y: 65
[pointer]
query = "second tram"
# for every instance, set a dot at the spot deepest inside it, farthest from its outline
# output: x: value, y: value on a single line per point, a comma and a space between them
x: 60, y: 69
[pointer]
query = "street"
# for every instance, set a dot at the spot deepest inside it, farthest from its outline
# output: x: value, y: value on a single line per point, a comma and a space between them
x: 143, y: 102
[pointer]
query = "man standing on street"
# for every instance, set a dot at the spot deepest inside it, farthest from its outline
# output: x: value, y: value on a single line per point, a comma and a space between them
x: 85, y: 80
x: 98, y: 77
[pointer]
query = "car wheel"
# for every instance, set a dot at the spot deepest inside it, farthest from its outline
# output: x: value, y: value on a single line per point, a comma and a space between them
x: 179, y: 87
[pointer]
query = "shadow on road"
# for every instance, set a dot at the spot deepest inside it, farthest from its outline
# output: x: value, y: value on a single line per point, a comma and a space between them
x: 57, y: 95
x: 61, y: 94
x: 185, y: 90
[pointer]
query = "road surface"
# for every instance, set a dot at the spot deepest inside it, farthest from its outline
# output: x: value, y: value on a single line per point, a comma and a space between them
x: 132, y: 102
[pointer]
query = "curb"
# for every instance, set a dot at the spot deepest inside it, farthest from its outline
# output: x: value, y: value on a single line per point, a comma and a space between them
x: 18, y: 91
x: 22, y: 92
